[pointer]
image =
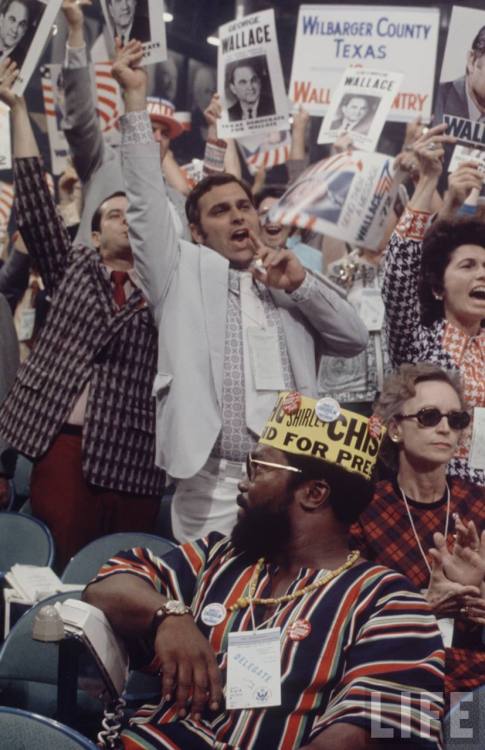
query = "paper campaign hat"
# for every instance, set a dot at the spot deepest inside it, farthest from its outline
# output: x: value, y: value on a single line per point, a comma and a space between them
x: 161, y: 110
x: 321, y: 429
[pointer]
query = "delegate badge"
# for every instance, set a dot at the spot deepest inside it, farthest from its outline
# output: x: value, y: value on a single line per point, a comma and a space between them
x: 299, y: 630
x: 213, y: 614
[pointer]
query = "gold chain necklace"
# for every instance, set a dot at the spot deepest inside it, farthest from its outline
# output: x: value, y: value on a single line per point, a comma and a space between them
x: 244, y: 601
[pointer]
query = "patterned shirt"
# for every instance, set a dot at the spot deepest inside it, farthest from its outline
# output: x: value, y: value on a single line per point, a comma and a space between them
x: 441, y: 343
x: 384, y: 535
x: 327, y: 677
x: 235, y: 439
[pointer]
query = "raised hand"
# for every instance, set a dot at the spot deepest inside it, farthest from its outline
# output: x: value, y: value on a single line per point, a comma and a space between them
x: 429, y: 150
x: 463, y: 565
x: 127, y: 71
x: 279, y: 269
x: 73, y: 11
x: 8, y: 75
x: 447, y: 598
x: 213, y: 111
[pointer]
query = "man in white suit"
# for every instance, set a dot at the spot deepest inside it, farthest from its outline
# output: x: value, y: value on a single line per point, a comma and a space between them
x: 237, y: 321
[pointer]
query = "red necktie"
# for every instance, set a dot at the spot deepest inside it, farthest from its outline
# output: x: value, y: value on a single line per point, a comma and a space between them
x: 119, y: 279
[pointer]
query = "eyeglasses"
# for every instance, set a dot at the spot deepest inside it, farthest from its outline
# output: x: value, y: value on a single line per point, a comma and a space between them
x: 431, y: 416
x: 253, y: 463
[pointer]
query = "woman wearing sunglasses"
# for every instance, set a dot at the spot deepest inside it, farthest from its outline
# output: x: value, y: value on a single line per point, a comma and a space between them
x: 434, y: 289
x: 423, y: 409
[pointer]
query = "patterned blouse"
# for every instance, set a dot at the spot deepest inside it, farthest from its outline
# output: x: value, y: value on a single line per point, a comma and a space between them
x: 441, y: 343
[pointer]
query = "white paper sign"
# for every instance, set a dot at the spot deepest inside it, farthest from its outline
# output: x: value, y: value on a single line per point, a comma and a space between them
x: 462, y: 154
x: 477, y: 450
x: 141, y: 20
x: 38, y: 21
x: 6, y: 203
x: 5, y: 141
x: 348, y: 196
x: 360, y: 106
x: 332, y: 37
x: 254, y: 669
x: 458, y: 100
x: 250, y: 79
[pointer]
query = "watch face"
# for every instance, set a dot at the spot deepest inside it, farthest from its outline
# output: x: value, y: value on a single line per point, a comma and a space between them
x: 174, y: 607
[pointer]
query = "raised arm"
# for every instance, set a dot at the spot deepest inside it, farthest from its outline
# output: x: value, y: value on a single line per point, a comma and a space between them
x: 41, y: 227
x: 154, y: 241
x: 81, y: 124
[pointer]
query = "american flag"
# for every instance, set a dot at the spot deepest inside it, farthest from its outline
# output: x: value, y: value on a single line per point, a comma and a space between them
x: 272, y: 149
x: 107, y: 95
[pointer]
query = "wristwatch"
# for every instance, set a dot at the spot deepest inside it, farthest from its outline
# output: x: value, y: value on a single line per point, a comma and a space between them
x: 171, y: 607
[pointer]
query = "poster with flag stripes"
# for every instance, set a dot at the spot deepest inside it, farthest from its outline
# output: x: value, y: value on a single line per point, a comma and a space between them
x: 108, y: 103
x: 5, y: 141
x: 6, y: 204
x: 348, y: 196
x: 267, y: 150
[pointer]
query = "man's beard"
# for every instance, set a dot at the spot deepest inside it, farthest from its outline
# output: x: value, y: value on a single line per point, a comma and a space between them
x: 262, y: 532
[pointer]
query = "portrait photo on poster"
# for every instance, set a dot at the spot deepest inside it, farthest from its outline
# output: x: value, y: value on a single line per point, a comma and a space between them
x: 19, y: 20
x: 355, y: 113
x: 138, y: 19
x: 248, y: 90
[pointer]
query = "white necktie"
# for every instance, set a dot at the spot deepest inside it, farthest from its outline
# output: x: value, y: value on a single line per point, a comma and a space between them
x: 258, y: 404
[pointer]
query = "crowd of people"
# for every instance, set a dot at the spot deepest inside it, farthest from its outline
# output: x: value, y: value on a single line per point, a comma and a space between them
x: 326, y: 463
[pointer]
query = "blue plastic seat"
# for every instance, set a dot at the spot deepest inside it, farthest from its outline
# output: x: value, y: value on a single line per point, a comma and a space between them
x: 24, y: 539
x: 23, y: 729
x: 85, y: 564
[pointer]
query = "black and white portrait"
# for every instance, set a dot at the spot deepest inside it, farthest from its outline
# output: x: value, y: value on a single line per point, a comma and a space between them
x: 355, y: 113
x: 18, y: 23
x: 129, y: 19
x: 248, y: 86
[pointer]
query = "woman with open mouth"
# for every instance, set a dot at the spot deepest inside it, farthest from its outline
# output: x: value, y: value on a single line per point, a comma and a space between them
x: 434, y: 293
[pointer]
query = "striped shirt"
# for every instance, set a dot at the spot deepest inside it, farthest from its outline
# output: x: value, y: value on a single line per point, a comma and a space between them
x: 372, y: 640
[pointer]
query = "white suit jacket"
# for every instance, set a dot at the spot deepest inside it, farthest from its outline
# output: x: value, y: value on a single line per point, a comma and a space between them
x: 187, y: 286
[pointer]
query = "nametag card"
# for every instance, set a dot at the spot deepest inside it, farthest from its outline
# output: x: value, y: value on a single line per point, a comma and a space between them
x: 371, y: 309
x: 477, y: 450
x: 254, y: 669
x: 265, y: 358
x: 26, y: 326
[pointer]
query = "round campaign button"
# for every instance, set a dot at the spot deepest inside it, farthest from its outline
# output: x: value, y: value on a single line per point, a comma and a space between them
x: 327, y: 409
x: 213, y: 614
x: 291, y: 402
x: 299, y: 630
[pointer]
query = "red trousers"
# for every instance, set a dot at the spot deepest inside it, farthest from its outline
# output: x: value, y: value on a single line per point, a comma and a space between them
x: 77, y: 512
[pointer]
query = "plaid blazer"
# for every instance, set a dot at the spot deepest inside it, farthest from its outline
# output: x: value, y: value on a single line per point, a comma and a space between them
x: 86, y: 338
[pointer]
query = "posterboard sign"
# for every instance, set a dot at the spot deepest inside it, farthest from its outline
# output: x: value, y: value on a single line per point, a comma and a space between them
x: 54, y: 107
x: 250, y: 79
x: 348, y: 196
x: 5, y: 141
x: 25, y: 44
x: 141, y: 20
x: 330, y: 38
x: 360, y: 106
x: 6, y: 204
x: 460, y: 99
x: 266, y: 150
x: 463, y: 154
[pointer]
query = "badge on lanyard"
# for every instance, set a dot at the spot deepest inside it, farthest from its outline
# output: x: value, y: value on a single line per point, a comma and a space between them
x: 254, y: 669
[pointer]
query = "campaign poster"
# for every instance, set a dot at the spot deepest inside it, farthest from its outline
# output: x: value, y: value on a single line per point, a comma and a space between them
x: 331, y: 38
x: 141, y: 20
x: 348, y: 196
x: 25, y: 26
x: 5, y: 141
x: 267, y: 150
x: 460, y: 98
x: 360, y: 106
x: 54, y: 107
x: 250, y: 79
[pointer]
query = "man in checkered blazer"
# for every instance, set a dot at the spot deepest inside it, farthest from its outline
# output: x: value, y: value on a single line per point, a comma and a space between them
x: 81, y: 406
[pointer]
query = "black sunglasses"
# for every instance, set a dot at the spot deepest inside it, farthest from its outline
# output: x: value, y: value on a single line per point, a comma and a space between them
x: 431, y: 416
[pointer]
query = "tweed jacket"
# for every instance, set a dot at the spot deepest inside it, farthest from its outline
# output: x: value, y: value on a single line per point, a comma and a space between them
x: 86, y: 338
x: 408, y: 340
